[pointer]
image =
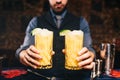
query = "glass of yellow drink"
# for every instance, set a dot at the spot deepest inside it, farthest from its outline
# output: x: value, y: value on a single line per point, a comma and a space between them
x: 44, y: 43
x: 73, y: 44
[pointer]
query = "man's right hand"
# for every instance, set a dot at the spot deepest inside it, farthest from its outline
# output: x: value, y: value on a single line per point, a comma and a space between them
x: 30, y: 57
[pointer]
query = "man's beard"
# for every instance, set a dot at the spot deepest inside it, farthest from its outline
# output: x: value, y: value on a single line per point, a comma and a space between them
x: 59, y: 13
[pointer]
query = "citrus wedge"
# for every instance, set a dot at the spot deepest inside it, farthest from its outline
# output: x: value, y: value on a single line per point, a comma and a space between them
x: 35, y: 31
x: 64, y: 32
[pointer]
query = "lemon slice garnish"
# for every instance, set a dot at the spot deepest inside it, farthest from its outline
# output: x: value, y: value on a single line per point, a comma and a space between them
x: 35, y: 31
x: 64, y: 32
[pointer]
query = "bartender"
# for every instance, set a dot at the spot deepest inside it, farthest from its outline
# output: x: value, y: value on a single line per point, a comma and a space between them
x: 28, y: 54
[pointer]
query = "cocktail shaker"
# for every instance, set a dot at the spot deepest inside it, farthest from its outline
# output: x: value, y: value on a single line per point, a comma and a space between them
x: 109, y: 51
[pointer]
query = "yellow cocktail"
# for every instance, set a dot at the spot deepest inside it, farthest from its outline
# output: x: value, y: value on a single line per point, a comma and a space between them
x: 73, y: 44
x: 44, y: 43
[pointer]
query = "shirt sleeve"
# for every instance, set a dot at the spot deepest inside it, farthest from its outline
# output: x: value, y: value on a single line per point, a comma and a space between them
x: 29, y: 39
x: 87, y: 36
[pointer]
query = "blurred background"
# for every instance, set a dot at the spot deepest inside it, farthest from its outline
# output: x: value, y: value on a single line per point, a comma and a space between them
x: 103, y: 17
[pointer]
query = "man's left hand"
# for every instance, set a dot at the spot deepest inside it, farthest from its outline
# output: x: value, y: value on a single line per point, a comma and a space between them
x: 85, y: 58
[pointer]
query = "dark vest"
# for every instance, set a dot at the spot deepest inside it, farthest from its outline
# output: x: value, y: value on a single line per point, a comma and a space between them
x: 70, y: 22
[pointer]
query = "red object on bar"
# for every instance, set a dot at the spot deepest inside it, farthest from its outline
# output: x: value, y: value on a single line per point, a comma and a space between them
x: 115, y: 73
x: 13, y: 73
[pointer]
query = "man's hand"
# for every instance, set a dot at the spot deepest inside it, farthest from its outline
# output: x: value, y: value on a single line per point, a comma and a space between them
x: 85, y: 58
x: 30, y: 57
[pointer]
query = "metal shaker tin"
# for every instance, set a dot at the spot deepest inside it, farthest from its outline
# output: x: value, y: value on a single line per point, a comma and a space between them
x: 109, y: 57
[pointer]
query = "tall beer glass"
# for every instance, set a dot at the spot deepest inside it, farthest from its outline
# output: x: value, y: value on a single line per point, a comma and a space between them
x: 73, y: 44
x: 44, y: 43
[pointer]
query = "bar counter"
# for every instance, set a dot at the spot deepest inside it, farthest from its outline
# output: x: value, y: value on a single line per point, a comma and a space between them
x: 30, y: 76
